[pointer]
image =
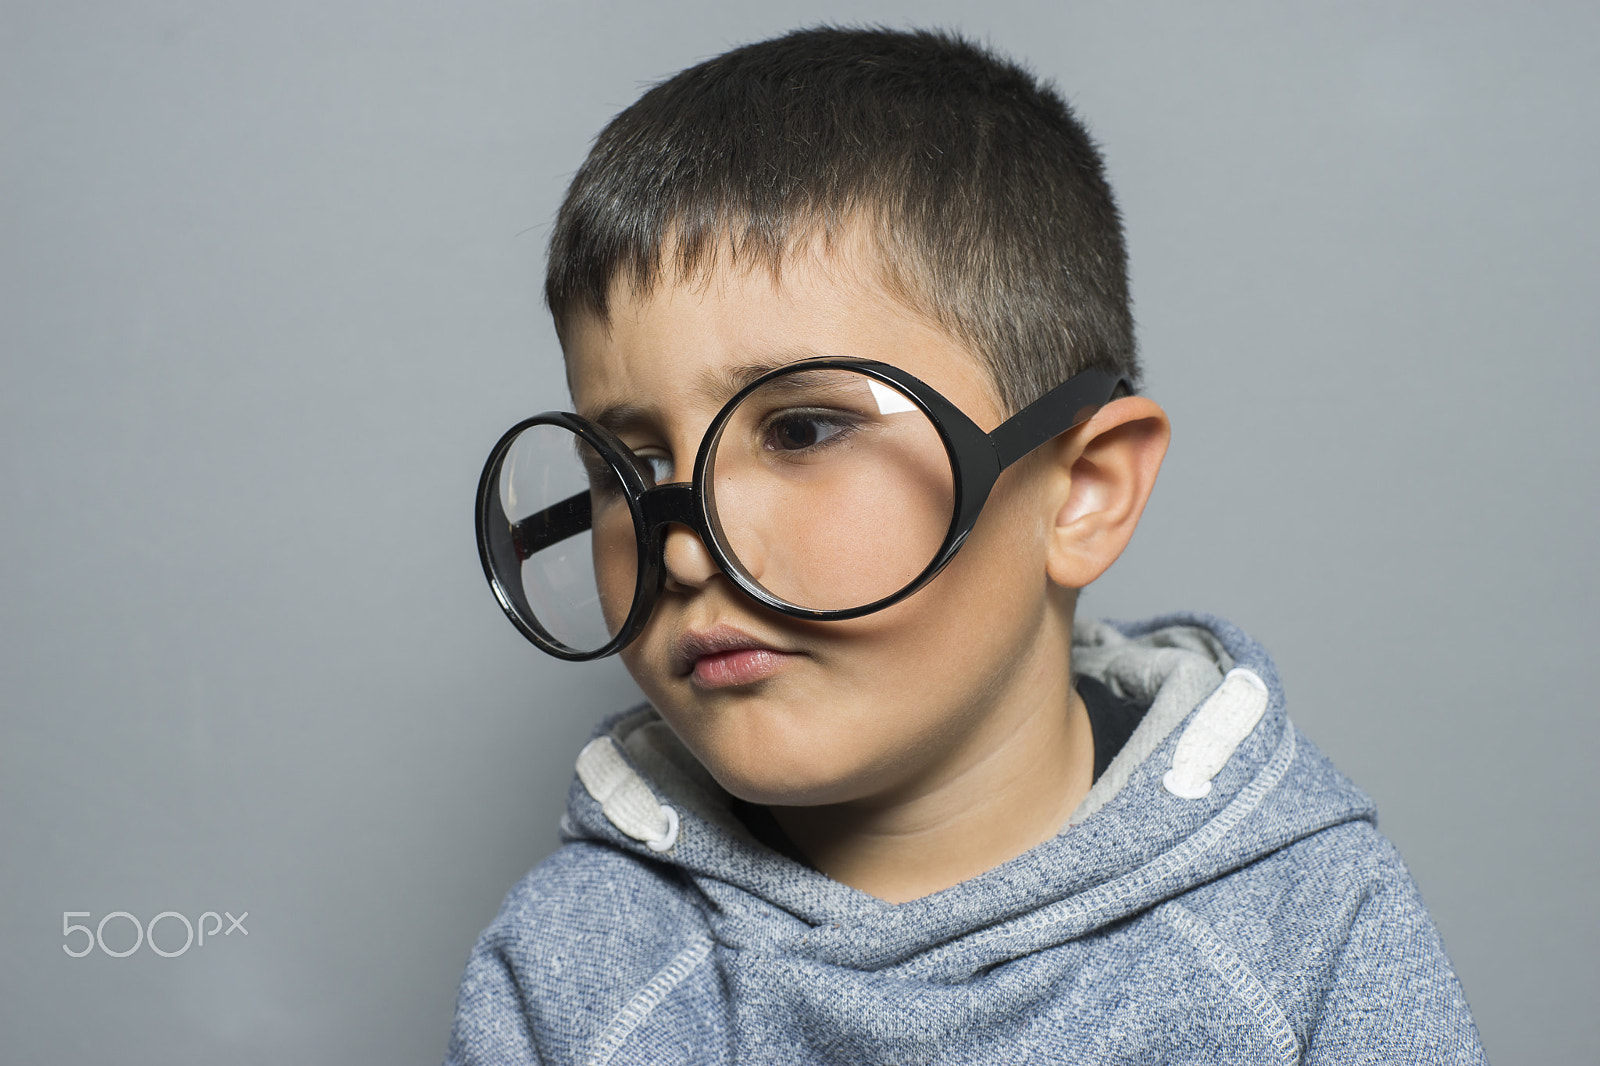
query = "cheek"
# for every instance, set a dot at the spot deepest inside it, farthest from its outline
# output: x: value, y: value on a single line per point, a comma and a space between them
x: 997, y: 572
x: 616, y: 562
x: 957, y: 637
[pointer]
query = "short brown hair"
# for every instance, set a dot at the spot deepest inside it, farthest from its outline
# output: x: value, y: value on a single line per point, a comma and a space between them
x: 984, y: 194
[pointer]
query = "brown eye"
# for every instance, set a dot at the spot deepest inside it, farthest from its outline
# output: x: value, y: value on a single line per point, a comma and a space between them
x: 800, y: 431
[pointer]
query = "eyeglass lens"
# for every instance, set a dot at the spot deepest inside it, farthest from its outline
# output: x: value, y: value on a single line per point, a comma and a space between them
x: 829, y: 489
x: 576, y: 556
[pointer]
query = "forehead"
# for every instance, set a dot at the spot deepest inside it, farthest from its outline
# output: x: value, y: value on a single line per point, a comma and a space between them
x: 672, y: 355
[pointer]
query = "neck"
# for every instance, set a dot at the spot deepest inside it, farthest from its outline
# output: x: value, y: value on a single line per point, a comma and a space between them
x: 1006, y: 788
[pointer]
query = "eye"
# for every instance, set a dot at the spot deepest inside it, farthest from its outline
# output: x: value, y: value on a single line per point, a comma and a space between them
x: 657, y: 468
x: 800, y: 431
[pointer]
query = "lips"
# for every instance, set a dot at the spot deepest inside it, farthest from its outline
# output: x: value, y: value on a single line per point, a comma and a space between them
x: 723, y: 656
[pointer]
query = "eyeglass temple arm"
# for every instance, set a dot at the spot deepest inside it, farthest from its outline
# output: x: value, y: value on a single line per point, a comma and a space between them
x: 1069, y: 404
x: 554, y: 524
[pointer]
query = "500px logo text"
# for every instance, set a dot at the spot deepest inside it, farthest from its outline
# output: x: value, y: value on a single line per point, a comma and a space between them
x: 146, y: 934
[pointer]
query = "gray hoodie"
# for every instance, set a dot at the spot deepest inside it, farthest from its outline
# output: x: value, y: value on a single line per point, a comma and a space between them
x: 1221, y: 895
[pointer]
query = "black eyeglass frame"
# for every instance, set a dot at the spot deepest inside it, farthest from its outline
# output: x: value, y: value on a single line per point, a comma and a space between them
x: 977, y: 459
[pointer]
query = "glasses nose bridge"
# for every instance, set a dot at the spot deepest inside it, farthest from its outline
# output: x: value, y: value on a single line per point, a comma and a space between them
x: 666, y: 505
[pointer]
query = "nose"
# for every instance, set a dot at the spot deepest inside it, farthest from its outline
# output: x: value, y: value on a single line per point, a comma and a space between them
x: 688, y: 564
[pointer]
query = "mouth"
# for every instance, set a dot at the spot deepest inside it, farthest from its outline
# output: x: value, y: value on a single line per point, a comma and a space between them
x: 725, y: 657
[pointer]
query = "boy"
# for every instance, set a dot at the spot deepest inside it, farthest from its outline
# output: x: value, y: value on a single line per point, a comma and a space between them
x: 846, y: 324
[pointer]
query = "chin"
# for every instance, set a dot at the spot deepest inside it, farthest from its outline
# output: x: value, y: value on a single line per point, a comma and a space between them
x: 774, y: 745
x: 777, y: 774
x: 785, y: 792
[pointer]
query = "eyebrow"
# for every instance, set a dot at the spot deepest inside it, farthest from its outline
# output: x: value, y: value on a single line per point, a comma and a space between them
x: 717, y: 386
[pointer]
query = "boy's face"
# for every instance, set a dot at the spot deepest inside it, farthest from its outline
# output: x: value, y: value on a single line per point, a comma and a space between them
x: 790, y: 712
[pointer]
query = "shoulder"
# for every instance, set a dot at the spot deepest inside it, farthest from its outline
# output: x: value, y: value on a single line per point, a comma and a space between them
x: 572, y: 942
x: 593, y: 917
x: 587, y: 889
x: 1306, y: 898
x: 1337, y: 934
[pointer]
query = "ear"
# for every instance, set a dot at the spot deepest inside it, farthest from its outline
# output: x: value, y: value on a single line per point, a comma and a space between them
x: 1110, y: 465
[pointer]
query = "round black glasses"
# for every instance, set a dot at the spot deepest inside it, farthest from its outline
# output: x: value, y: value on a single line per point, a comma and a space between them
x: 825, y: 489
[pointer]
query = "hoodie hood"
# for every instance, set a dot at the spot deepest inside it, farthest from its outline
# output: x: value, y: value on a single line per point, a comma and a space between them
x: 1214, y: 777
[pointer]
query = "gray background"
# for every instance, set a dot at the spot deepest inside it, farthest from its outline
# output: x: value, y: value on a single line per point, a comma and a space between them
x: 269, y: 289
